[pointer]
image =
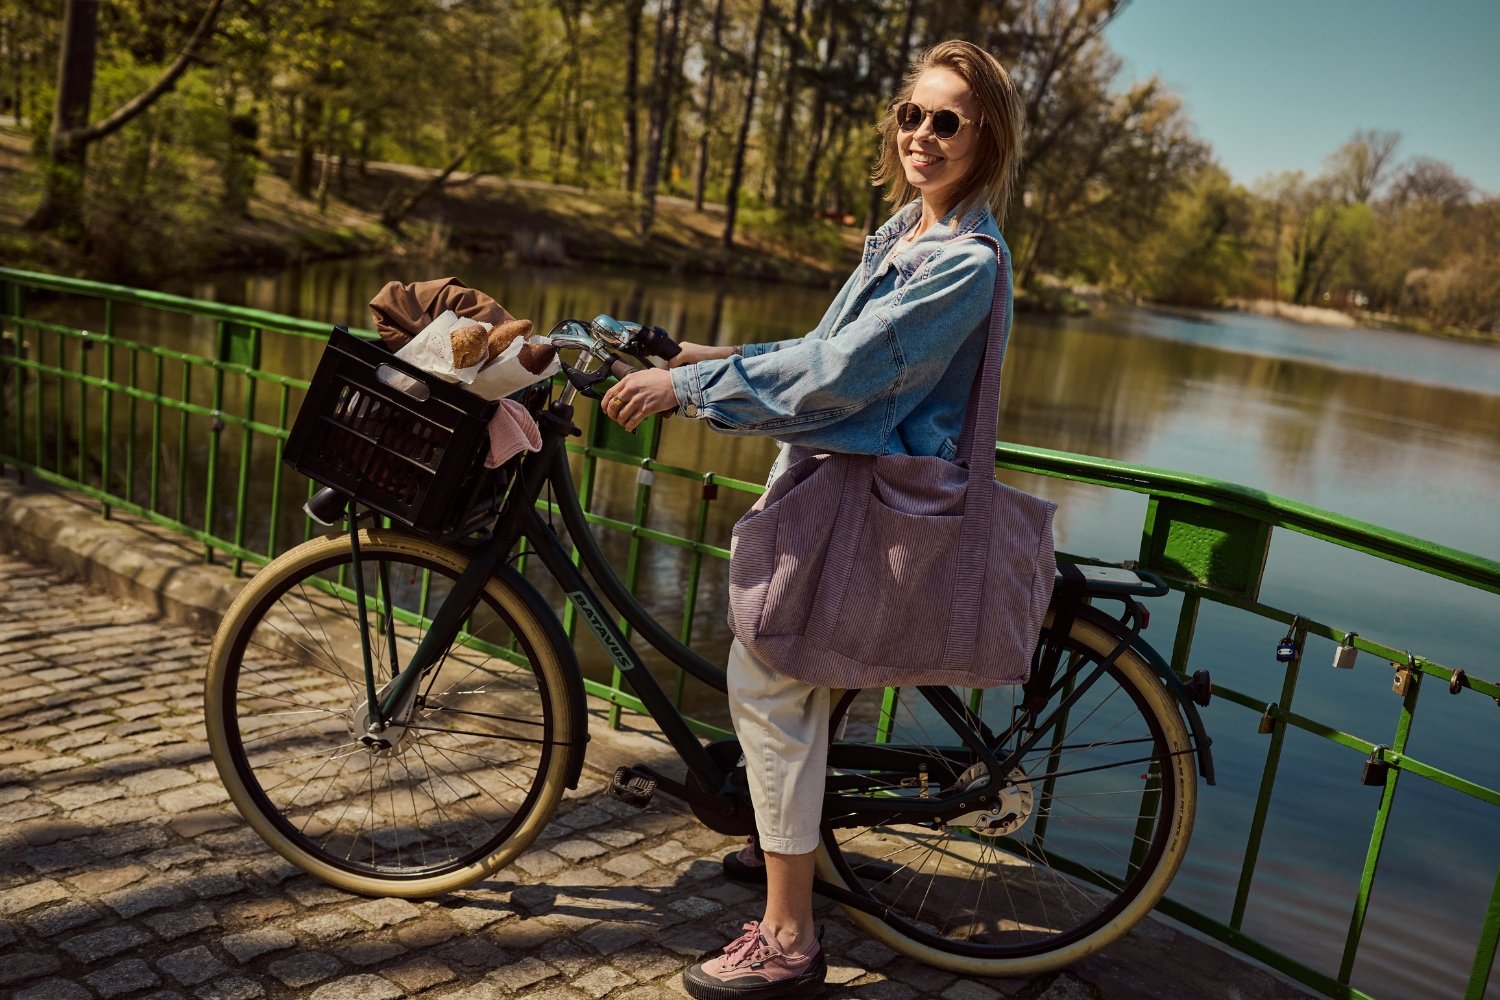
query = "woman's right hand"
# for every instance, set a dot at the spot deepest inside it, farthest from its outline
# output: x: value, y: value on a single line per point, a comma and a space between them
x: 690, y: 354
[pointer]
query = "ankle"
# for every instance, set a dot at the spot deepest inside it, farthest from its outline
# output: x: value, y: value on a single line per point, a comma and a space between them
x: 792, y: 939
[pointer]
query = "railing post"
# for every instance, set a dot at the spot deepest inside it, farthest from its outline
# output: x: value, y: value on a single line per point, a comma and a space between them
x: 1377, y: 831
x: 1267, y: 783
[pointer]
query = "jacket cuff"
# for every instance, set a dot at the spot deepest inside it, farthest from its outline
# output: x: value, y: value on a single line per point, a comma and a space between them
x: 751, y: 350
x: 688, y: 390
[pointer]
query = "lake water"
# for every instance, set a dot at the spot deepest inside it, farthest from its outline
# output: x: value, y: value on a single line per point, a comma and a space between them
x: 1399, y: 430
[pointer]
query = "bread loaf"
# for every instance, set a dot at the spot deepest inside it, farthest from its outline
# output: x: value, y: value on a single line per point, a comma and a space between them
x: 468, y: 340
x: 536, y: 357
x: 502, y: 335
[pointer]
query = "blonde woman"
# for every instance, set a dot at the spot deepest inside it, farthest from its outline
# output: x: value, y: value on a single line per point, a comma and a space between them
x: 888, y: 370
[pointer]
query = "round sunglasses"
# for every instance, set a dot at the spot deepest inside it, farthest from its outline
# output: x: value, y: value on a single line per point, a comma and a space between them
x: 945, y: 121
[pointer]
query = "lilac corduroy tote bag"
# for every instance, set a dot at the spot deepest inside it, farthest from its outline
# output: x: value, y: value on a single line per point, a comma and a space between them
x: 859, y: 571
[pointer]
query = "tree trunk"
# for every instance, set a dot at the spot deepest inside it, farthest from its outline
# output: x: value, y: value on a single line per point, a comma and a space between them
x: 903, y: 56
x: 62, y: 201
x: 661, y: 97
x: 302, y: 166
x: 633, y: 10
x: 818, y: 130
x: 708, y: 104
x: 737, y: 173
x: 787, y: 111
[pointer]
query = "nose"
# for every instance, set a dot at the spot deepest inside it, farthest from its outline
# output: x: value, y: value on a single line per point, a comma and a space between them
x: 924, y: 129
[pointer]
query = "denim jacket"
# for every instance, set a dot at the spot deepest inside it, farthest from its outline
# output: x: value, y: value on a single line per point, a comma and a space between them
x: 888, y: 369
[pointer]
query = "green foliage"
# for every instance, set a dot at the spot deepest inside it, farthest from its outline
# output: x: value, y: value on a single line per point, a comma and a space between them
x: 153, y: 183
x: 1116, y: 189
x: 793, y: 231
x: 1197, y: 255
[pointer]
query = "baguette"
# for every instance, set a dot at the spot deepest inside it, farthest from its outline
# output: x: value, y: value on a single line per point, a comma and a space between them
x: 502, y: 335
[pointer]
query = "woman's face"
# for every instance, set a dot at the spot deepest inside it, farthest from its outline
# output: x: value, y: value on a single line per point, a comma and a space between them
x: 936, y: 167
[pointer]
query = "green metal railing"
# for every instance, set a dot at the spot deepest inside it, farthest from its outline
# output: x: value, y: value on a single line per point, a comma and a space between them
x: 191, y: 441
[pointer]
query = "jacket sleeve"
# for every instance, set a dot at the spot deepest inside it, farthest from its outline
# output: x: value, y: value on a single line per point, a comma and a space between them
x: 825, y: 325
x: 814, y: 383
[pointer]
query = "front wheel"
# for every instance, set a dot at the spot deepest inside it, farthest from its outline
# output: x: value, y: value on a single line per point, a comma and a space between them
x: 470, y: 768
x: 1089, y: 828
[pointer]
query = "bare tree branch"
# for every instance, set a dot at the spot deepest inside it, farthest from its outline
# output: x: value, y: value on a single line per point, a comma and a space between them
x: 123, y: 115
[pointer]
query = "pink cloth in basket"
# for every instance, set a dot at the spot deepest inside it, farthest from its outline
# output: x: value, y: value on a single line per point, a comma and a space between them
x: 512, y: 429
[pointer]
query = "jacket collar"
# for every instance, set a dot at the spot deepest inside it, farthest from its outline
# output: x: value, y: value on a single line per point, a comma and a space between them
x: 878, y: 258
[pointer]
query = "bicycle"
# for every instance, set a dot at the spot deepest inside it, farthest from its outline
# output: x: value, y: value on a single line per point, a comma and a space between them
x: 398, y: 712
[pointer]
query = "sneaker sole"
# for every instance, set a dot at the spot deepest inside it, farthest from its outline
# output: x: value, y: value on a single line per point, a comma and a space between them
x: 708, y: 988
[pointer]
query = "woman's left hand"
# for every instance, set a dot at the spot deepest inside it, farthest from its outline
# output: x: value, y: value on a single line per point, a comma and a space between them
x: 638, y: 395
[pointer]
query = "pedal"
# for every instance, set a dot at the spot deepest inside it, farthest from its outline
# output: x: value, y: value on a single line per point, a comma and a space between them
x: 632, y: 788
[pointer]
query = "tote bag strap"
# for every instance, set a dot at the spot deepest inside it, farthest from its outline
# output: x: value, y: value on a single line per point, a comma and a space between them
x: 977, y: 445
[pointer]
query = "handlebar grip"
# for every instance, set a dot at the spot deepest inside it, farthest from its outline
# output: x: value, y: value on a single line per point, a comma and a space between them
x: 658, y: 342
x: 619, y: 368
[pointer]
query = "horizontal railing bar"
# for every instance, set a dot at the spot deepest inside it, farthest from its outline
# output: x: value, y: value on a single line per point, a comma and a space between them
x: 168, y: 302
x: 652, y: 465
x: 166, y: 402
x: 1405, y: 762
x: 150, y: 350
x: 616, y: 696
x: 640, y: 531
x: 1423, y: 665
x: 1394, y: 546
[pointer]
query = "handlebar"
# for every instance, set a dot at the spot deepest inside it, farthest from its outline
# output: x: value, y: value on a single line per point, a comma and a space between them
x: 604, y: 340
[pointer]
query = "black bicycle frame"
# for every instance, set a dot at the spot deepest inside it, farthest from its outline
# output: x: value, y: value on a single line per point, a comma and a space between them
x: 520, y: 519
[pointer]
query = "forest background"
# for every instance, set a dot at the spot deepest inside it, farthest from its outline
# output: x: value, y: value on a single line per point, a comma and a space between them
x: 143, y: 138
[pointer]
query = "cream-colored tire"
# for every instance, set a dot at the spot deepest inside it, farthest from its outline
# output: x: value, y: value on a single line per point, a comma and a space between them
x: 1080, y: 847
x: 471, y: 770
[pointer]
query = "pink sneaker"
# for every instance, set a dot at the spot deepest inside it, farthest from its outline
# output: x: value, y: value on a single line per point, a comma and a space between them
x: 751, y: 966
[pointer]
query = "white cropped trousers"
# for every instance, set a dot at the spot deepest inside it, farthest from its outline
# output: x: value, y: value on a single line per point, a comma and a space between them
x: 782, y: 725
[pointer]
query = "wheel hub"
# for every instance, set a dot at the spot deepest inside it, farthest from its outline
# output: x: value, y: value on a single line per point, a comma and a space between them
x: 1012, y: 807
x: 394, y: 738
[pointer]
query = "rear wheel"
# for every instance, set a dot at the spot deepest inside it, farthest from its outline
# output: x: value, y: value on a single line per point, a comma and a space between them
x: 468, y: 772
x: 1089, y: 828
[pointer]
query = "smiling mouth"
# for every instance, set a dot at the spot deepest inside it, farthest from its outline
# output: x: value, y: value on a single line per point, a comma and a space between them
x: 923, y: 159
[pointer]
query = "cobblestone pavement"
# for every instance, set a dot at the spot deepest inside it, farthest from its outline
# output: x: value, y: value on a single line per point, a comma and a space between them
x: 125, y: 872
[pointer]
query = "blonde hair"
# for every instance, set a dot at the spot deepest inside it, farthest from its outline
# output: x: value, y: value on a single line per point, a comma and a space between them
x: 998, y: 129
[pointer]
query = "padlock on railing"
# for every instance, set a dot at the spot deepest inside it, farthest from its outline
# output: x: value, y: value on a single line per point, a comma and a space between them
x: 1376, y: 768
x: 1268, y: 719
x: 1343, y: 657
x: 1406, y: 675
x: 1286, y: 649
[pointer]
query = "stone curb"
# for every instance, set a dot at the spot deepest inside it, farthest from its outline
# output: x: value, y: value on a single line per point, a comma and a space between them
x: 128, y: 558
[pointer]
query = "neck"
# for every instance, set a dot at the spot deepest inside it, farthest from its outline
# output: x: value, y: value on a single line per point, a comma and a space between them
x: 932, y: 214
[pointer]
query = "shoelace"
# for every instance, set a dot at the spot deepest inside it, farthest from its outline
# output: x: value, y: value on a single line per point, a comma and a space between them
x: 747, y: 947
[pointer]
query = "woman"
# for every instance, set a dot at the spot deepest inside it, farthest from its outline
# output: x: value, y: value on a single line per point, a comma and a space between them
x: 888, y: 370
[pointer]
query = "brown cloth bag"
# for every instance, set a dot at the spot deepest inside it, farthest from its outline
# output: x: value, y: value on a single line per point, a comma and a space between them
x: 401, y: 311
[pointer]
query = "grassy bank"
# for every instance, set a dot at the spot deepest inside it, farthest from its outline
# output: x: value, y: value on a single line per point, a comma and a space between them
x: 523, y: 221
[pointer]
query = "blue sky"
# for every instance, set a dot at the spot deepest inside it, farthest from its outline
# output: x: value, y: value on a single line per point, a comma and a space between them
x: 1277, y: 85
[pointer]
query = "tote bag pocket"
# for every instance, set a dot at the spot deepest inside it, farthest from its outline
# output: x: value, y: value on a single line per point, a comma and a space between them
x: 903, y: 571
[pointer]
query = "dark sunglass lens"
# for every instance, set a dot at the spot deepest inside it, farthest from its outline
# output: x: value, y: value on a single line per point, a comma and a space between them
x: 908, y: 117
x: 945, y: 124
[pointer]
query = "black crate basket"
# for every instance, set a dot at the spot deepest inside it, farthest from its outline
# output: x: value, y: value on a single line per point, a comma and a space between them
x: 397, y: 439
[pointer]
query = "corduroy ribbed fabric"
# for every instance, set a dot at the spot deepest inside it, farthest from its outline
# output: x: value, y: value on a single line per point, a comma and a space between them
x: 864, y: 571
